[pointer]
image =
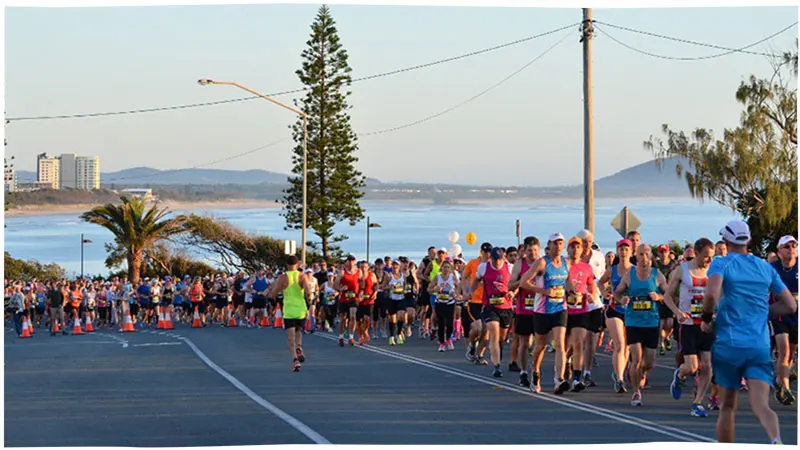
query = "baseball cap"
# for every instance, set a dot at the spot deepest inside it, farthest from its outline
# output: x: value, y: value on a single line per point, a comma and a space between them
x: 351, y: 258
x: 574, y: 239
x: 583, y: 234
x: 498, y: 253
x: 555, y: 237
x: 622, y: 242
x: 443, y: 250
x: 785, y: 240
x: 736, y: 232
x: 486, y: 247
x: 663, y: 248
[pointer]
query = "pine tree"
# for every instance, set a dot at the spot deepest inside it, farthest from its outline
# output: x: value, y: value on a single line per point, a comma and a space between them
x: 333, y: 181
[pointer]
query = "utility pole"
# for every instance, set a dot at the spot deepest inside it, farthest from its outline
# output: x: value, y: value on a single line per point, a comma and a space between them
x: 587, y: 31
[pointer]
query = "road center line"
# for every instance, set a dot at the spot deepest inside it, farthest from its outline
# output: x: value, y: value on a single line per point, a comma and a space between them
x: 294, y: 423
x: 641, y: 423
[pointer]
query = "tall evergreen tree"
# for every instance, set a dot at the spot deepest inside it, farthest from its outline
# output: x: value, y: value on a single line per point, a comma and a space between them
x: 333, y: 181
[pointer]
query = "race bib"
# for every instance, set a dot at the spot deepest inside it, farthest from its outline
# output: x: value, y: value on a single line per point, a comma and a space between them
x: 558, y: 295
x: 398, y: 289
x: 696, y: 310
x: 443, y: 296
x: 530, y: 301
x: 497, y: 300
x: 409, y: 289
x: 350, y: 295
x: 575, y: 300
x: 642, y: 304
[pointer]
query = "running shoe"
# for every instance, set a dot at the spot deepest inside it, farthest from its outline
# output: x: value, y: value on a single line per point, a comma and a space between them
x: 698, y: 410
x: 588, y: 380
x: 481, y: 361
x: 296, y: 365
x: 535, y: 384
x: 497, y: 373
x: 341, y: 342
x: 523, y: 380
x: 513, y: 367
x: 744, y: 387
x: 577, y: 385
x: 668, y: 344
x: 661, y: 351
x: 400, y: 339
x: 450, y: 346
x: 619, y: 386
x: 300, y: 356
x: 391, y: 341
x: 793, y: 375
x: 470, y: 355
x: 561, y: 386
x: 713, y: 403
x: 442, y: 347
x: 636, y: 400
x: 551, y: 348
x: 352, y: 341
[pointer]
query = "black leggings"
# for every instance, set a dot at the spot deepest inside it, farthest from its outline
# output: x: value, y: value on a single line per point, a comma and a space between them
x: 444, y: 319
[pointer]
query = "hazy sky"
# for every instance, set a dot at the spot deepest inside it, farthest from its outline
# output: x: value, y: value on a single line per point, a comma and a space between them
x: 528, y: 131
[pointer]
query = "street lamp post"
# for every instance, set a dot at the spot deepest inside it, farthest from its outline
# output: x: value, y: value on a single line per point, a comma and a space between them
x: 370, y: 225
x: 205, y: 82
x: 83, y: 241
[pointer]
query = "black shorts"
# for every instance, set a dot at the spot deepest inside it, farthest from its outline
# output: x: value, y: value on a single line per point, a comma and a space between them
x: 259, y: 302
x: 410, y: 301
x: 693, y: 341
x: 595, y: 322
x: 238, y: 300
x: 578, y: 321
x: 544, y: 323
x: 134, y: 307
x: 298, y: 324
x: 471, y: 313
x: 201, y: 307
x: 40, y: 310
x: 523, y: 324
x: 344, y: 308
x: 503, y: 316
x: 424, y: 298
x: 646, y: 336
x: 784, y: 328
x: 364, y: 311
x: 611, y: 313
x: 221, y: 302
x: 393, y: 306
x: 664, y: 312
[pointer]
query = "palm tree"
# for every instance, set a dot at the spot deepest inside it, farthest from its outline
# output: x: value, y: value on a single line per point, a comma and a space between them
x: 135, y: 228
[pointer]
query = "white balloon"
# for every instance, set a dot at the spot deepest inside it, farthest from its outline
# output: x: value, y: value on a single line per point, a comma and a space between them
x: 453, y: 237
x: 455, y: 250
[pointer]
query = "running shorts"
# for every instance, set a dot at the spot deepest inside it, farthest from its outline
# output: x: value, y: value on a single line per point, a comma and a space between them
x: 221, y: 302
x: 238, y: 300
x: 595, y: 322
x: 344, y: 308
x: 201, y: 307
x: 259, y: 302
x: 664, y: 312
x: 693, y: 340
x: 298, y: 324
x: 424, y: 298
x: 578, y: 321
x: 612, y: 313
x: 134, y: 308
x: 731, y: 364
x: 523, y: 324
x: 544, y: 323
x: 471, y: 313
x: 503, y: 316
x: 393, y: 306
x: 646, y: 336
x: 410, y: 301
x: 784, y: 328
x: 364, y: 311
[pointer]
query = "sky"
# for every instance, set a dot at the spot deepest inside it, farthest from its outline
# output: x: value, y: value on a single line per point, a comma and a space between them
x: 527, y: 131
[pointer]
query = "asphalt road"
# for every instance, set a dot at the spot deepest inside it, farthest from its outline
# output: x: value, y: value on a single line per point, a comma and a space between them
x: 218, y: 386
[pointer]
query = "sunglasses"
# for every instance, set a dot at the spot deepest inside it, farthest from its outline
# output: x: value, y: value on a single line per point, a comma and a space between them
x: 792, y: 245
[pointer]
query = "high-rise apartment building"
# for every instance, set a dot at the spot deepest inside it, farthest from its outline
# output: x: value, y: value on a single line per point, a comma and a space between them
x: 48, y: 171
x: 9, y: 179
x: 67, y: 175
x: 87, y: 172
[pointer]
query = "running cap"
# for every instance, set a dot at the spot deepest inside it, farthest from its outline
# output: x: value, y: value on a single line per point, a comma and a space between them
x: 663, y: 248
x: 486, y: 247
x: 555, y: 237
x: 785, y: 240
x: 351, y: 258
x: 461, y: 260
x: 146, y: 278
x: 574, y: 239
x: 498, y: 253
x: 583, y: 234
x: 308, y: 271
x: 622, y: 242
x: 736, y: 232
x: 443, y: 250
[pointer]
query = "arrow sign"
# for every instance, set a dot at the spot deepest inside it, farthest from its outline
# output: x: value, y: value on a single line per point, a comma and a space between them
x: 625, y: 222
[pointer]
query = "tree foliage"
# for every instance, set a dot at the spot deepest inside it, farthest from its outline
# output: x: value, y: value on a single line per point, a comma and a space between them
x: 17, y: 269
x: 333, y: 181
x: 136, y: 228
x: 752, y: 168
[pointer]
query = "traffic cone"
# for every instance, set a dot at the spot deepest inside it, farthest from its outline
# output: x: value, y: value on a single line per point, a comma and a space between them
x: 196, y: 323
x: 26, y: 333
x: 278, y: 316
x: 58, y: 326
x: 252, y: 318
x: 76, y: 330
x: 160, y: 325
x: 167, y: 319
x: 127, y: 325
x: 232, y: 323
x: 308, y: 324
x: 30, y: 327
x: 265, y: 320
x: 89, y: 327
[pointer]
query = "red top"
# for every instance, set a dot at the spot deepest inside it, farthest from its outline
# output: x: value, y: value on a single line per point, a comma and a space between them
x: 493, y: 281
x: 351, y: 283
x: 369, y: 289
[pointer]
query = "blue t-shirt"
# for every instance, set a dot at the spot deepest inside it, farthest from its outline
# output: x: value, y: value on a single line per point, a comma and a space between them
x: 144, y: 294
x: 789, y: 278
x: 641, y: 310
x: 743, y: 309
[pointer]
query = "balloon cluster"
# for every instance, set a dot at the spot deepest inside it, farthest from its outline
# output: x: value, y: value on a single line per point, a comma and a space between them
x: 455, y: 247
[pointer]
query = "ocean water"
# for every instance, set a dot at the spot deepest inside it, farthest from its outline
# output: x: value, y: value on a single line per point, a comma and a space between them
x: 406, y: 229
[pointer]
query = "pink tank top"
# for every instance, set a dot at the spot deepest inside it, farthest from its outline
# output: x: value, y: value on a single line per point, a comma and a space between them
x: 525, y: 299
x: 491, y: 294
x: 580, y: 275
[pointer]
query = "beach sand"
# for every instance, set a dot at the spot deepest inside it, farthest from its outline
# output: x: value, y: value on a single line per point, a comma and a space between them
x: 179, y: 207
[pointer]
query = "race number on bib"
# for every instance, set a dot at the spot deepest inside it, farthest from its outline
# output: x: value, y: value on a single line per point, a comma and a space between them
x: 642, y: 304
x: 558, y: 294
x: 496, y: 300
x: 575, y: 300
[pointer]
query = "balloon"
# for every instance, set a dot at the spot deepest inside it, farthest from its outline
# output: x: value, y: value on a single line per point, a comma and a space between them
x: 455, y: 250
x: 471, y: 238
x: 453, y: 237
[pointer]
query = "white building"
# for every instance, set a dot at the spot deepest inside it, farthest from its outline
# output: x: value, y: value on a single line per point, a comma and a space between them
x: 48, y: 171
x: 9, y: 179
x: 145, y: 194
x: 87, y: 172
x: 67, y: 174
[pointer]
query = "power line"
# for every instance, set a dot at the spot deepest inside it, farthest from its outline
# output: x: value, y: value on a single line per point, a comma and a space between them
x: 295, y: 91
x: 474, y: 97
x: 727, y: 50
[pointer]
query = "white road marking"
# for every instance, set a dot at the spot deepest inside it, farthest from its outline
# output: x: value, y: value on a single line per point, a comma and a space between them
x: 50, y: 344
x: 637, y: 422
x: 294, y: 423
x: 156, y: 344
x: 119, y: 340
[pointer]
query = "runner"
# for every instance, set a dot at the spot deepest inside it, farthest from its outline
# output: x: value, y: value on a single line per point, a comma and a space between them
x: 580, y: 289
x: 366, y: 303
x: 665, y: 264
x: 550, y: 310
x: 785, y: 327
x: 496, y: 313
x: 738, y: 287
x: 443, y: 286
x: 690, y: 279
x: 473, y: 328
x: 395, y: 286
x: 424, y: 299
x: 641, y: 285
x: 348, y: 283
x: 596, y: 322
x: 380, y: 309
x: 523, y: 326
x: 615, y: 315
x: 295, y: 288
x: 411, y: 289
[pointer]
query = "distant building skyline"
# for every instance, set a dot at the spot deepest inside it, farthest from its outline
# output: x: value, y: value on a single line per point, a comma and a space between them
x: 68, y: 170
x: 48, y: 170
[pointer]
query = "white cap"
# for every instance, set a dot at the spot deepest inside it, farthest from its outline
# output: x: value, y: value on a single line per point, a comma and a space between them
x: 443, y: 250
x: 583, y: 234
x: 555, y: 237
x: 785, y: 240
x: 736, y: 232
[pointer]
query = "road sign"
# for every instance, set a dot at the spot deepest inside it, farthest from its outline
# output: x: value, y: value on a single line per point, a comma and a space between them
x: 519, y: 231
x: 290, y: 247
x: 625, y: 222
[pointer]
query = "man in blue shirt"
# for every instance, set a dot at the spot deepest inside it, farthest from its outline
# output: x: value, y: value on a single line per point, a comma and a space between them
x: 784, y: 328
x: 738, y: 289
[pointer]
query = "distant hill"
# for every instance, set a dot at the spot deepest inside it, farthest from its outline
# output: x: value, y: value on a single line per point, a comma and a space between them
x: 645, y: 178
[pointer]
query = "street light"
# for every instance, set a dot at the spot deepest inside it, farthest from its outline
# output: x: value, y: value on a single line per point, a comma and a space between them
x: 370, y: 225
x: 206, y: 82
x: 83, y: 241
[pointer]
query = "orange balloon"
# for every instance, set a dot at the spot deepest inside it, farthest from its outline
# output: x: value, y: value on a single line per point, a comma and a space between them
x: 471, y: 238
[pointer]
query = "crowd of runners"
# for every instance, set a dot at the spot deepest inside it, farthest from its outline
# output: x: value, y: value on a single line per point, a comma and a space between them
x: 560, y: 295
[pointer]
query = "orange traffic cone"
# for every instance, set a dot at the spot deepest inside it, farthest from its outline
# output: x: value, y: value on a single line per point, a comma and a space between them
x: 76, y: 330
x: 252, y: 318
x: 278, y: 316
x: 167, y: 319
x: 160, y: 318
x: 308, y: 324
x: 265, y: 320
x: 196, y: 323
x: 26, y: 333
x: 30, y: 327
x: 89, y: 327
x: 127, y: 325
x: 58, y: 326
